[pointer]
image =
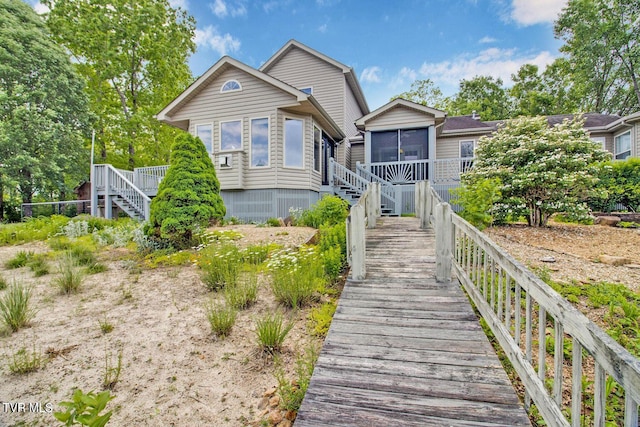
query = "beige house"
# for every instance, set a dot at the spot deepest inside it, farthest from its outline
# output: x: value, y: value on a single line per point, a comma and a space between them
x: 299, y: 126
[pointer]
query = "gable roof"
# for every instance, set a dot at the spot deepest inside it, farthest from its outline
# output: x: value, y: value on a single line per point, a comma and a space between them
x: 305, y: 102
x: 348, y: 72
x: 438, y: 115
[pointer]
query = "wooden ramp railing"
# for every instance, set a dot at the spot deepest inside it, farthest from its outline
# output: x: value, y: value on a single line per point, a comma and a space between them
x: 404, y: 349
x: 521, y: 309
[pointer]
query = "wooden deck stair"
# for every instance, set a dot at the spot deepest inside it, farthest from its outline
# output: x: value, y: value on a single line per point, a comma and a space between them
x: 405, y: 350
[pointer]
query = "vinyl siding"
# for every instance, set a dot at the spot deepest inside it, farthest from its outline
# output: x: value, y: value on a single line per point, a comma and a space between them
x: 301, y: 69
x: 357, y: 154
x: 352, y: 113
x: 449, y: 148
x: 256, y: 100
x: 399, y: 117
x: 636, y: 152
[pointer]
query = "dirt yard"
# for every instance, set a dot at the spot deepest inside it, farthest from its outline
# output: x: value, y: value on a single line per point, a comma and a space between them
x: 577, y: 251
x: 174, y: 371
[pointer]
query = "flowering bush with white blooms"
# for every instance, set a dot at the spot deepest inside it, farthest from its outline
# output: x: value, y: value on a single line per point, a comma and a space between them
x: 542, y: 169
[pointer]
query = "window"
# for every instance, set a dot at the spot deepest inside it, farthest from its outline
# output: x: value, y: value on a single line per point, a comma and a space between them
x: 293, y: 143
x: 231, y: 86
x: 307, y: 90
x: 205, y: 133
x: 317, y: 141
x: 401, y: 144
x: 622, y: 146
x: 467, y: 148
x: 259, y: 143
x: 231, y: 135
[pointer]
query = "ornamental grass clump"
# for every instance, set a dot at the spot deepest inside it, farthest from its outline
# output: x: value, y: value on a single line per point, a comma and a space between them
x: 15, y: 310
x: 221, y: 317
x: 296, y: 276
x: 244, y: 293
x: 220, y: 264
x: 271, y: 331
x: 71, y: 276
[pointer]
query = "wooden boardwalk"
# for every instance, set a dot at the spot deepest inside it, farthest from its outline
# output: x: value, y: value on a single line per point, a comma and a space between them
x: 404, y: 350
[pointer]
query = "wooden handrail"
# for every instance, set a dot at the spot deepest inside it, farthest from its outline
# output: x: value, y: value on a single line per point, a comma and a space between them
x: 498, y: 284
x: 364, y: 214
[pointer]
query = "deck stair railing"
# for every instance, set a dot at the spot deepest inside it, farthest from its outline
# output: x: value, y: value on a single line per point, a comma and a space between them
x: 362, y: 215
x: 521, y: 309
x: 390, y: 195
x: 118, y: 188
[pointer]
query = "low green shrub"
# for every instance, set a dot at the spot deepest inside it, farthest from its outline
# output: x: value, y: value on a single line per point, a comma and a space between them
x: 477, y: 200
x: 85, y: 409
x: 221, y: 317
x: 328, y: 210
x: 272, y: 331
x: 38, y: 265
x: 82, y: 254
x: 60, y: 243
x: 24, y: 361
x: 15, y: 310
x: 32, y: 229
x: 273, y: 222
x: 320, y: 319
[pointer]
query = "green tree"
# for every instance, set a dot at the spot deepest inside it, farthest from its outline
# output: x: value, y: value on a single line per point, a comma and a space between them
x: 425, y: 92
x: 134, y: 57
x: 529, y: 94
x: 542, y: 169
x: 602, y: 45
x: 189, y: 195
x: 43, y: 109
x: 484, y: 95
x: 619, y: 183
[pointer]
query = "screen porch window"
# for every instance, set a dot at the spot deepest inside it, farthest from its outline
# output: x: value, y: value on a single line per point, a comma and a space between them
x: 622, y: 146
x: 205, y: 133
x: 400, y: 145
x: 231, y: 135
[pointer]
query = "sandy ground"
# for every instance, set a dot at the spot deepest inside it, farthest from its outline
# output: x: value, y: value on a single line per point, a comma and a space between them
x: 174, y: 371
x: 576, y: 250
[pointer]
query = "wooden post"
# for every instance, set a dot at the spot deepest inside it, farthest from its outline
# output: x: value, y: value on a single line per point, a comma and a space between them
x: 370, y: 206
x: 357, y: 242
x: 108, y: 212
x: 349, y: 239
x: 444, y: 230
x: 377, y: 197
x: 94, y: 192
x: 398, y: 199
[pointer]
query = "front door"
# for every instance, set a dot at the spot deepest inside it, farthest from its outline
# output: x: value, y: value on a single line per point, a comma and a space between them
x: 328, y: 151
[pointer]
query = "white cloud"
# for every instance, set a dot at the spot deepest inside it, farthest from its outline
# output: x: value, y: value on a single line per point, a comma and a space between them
x: 322, y: 28
x: 39, y: 7
x: 499, y: 63
x: 183, y: 4
x: 487, y: 39
x: 371, y: 74
x: 222, y: 9
x: 528, y: 12
x: 404, y: 77
x: 222, y: 43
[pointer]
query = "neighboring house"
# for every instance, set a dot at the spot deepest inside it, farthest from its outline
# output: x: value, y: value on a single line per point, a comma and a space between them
x: 299, y: 126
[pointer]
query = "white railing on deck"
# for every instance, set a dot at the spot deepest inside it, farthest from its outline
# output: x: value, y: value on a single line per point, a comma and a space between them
x: 411, y: 171
x: 112, y: 182
x: 362, y: 215
x: 518, y: 307
x: 148, y: 178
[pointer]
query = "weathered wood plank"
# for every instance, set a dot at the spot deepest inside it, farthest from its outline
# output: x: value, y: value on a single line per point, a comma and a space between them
x: 405, y: 350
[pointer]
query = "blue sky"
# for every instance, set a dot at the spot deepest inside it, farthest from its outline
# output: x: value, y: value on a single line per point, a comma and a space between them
x: 388, y: 43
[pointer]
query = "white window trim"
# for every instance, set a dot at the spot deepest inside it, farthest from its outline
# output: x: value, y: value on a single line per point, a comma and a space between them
x: 460, y: 148
x: 220, y: 135
x: 230, y: 90
x: 630, y: 144
x: 307, y: 87
x: 268, y: 165
x: 284, y: 140
x: 196, y: 125
x: 313, y: 149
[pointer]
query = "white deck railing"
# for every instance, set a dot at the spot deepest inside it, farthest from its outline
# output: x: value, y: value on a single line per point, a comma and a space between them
x: 411, y: 171
x: 518, y: 306
x: 111, y: 182
x: 148, y: 179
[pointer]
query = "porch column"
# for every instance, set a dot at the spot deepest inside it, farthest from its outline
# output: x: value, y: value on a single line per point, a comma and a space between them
x: 432, y: 153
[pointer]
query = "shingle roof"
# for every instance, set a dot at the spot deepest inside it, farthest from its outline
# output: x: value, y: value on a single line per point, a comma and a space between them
x: 462, y: 123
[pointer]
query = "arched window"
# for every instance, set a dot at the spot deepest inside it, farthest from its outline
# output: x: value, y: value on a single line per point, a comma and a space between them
x: 231, y: 86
